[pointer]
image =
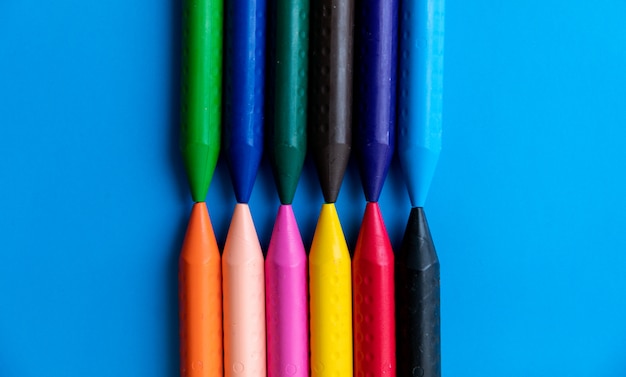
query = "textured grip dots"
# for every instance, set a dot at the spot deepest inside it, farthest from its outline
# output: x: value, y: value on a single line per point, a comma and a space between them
x: 302, y: 63
x: 405, y: 56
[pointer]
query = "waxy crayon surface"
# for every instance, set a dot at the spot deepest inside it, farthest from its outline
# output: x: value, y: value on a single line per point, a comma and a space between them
x: 419, y: 146
x: 201, y: 92
x: 200, y: 299
x: 286, y: 297
x: 375, y: 97
x: 330, y: 298
x: 287, y: 136
x: 374, y: 311
x: 244, y: 298
x: 330, y: 92
x: 417, y: 307
x: 95, y: 203
x: 421, y: 89
x: 244, y: 92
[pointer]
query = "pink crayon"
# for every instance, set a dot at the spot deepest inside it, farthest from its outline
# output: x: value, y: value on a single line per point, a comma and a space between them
x: 286, y: 299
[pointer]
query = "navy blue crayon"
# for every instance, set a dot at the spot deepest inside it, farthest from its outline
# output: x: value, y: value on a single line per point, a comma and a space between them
x: 376, y: 49
x: 244, y: 92
x: 373, y: 263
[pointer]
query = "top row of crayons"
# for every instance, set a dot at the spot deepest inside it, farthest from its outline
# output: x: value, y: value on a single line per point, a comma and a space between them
x: 327, y: 75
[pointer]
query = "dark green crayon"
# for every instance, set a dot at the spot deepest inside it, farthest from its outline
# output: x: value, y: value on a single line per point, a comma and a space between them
x: 287, y: 138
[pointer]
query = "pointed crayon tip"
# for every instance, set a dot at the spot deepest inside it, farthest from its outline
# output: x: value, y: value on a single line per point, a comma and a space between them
x: 200, y: 161
x: 418, y: 166
x: 287, y: 161
x: 242, y: 239
x: 243, y: 163
x: 418, y: 248
x: 329, y: 236
x: 200, y: 244
x: 331, y: 162
x: 286, y: 247
x: 373, y: 242
x: 374, y: 164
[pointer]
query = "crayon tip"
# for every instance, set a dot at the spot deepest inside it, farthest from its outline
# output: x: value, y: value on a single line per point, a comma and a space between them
x: 331, y: 164
x: 286, y: 247
x: 329, y: 237
x: 200, y: 160
x: 243, y: 164
x: 242, y: 238
x: 199, y: 244
x: 417, y: 245
x: 374, y: 164
x: 288, y: 161
x: 373, y: 242
x: 418, y: 166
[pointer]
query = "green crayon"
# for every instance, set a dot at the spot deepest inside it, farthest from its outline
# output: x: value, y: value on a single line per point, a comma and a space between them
x: 288, y: 132
x: 201, y: 92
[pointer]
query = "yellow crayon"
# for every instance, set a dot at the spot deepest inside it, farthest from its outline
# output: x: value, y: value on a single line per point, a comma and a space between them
x: 331, y: 298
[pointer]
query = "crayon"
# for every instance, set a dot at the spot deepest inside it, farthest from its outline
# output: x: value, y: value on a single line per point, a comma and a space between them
x: 201, y: 92
x: 244, y: 295
x: 331, y: 298
x: 417, y: 276
x: 199, y: 267
x: 200, y: 297
x: 419, y: 145
x: 244, y: 298
x: 330, y: 135
x: 286, y: 299
x: 377, y: 44
x: 421, y: 88
x: 372, y: 266
x: 330, y: 97
x: 373, y: 282
x: 287, y: 136
x: 244, y: 92
x: 286, y: 258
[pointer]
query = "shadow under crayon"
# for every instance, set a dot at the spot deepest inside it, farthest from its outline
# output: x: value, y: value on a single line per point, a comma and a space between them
x: 174, y: 49
x: 171, y: 364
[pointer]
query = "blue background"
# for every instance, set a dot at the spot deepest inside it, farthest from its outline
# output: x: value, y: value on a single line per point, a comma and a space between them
x: 527, y: 207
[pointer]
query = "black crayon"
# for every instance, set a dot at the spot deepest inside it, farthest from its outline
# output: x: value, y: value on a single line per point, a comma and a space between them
x: 417, y: 307
x: 330, y: 91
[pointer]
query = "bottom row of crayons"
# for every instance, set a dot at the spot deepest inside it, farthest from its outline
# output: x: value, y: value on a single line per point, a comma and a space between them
x: 241, y: 315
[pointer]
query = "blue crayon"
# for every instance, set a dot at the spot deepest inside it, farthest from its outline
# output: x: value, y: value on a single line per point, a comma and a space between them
x: 420, y: 94
x: 244, y: 92
x: 376, y: 61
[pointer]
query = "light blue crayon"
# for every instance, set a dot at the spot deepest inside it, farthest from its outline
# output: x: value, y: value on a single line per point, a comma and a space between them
x: 420, y: 93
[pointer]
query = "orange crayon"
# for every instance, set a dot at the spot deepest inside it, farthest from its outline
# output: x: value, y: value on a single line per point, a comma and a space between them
x: 200, y: 295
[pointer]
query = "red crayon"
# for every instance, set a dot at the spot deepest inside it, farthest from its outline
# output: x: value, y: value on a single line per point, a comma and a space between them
x: 374, y: 321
